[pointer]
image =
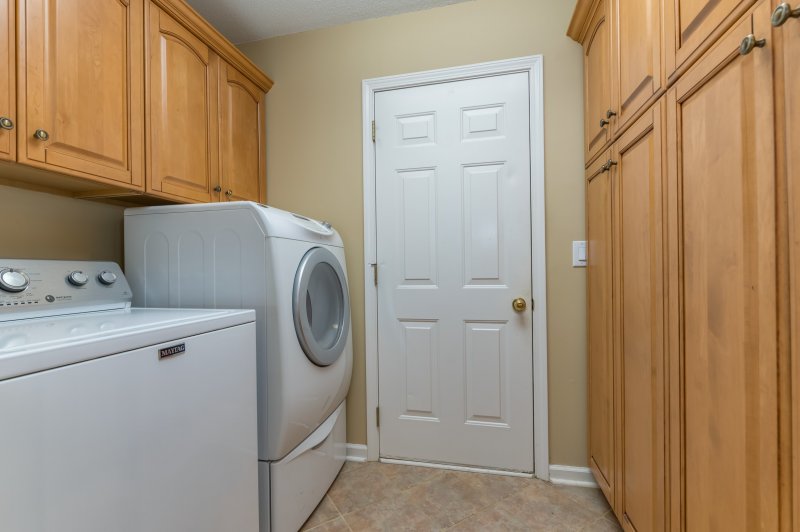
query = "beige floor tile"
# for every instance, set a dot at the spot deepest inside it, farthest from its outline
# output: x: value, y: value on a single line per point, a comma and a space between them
x: 362, y: 485
x: 606, y: 523
x: 337, y: 525
x: 325, y: 511
x: 592, y: 498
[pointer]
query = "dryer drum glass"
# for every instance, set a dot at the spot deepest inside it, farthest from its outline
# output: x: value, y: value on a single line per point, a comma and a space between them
x: 321, y: 307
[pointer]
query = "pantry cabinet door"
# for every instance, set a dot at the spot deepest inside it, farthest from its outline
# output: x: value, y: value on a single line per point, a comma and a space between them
x: 722, y: 278
x: 183, y: 151
x: 640, y: 300
x: 81, y: 88
x: 8, y: 90
x: 242, y: 144
x: 638, y: 55
x: 597, y: 80
x: 789, y: 33
x: 601, y: 364
x: 693, y: 24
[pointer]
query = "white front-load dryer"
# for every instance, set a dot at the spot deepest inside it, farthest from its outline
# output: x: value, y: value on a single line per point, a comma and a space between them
x: 291, y: 270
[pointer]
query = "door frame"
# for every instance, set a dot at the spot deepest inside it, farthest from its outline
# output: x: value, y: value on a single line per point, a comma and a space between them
x: 532, y: 66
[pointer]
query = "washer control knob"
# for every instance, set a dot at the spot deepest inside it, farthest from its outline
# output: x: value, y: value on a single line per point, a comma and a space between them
x: 107, y: 278
x: 13, y: 280
x: 77, y: 278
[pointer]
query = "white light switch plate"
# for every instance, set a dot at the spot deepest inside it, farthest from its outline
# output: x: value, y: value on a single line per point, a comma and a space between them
x: 579, y: 254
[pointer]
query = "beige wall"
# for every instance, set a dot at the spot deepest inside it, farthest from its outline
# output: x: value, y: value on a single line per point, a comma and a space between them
x: 44, y: 226
x: 314, y: 155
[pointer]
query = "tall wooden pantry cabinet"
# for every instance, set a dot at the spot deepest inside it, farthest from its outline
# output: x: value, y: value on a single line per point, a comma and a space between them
x: 692, y: 204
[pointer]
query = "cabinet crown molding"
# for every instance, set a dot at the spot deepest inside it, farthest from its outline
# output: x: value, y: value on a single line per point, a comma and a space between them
x: 580, y: 19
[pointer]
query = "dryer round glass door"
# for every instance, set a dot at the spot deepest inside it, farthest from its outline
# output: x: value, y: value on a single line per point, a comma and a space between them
x: 321, y: 307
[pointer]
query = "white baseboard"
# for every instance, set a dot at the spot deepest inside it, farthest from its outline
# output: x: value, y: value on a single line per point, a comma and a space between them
x: 356, y: 452
x: 572, y: 476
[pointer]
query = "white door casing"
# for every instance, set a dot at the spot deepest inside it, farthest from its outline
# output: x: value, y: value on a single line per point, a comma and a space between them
x: 453, y: 252
x: 483, y: 332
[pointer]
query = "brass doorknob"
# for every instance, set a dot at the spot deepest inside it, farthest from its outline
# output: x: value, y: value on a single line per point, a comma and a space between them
x: 519, y: 304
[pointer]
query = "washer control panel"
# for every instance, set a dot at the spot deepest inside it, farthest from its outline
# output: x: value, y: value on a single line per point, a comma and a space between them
x: 31, y: 288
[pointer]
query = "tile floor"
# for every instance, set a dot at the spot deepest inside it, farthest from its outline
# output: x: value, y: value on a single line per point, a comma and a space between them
x: 375, y: 496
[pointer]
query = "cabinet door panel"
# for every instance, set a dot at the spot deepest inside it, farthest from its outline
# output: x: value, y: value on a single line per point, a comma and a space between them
x: 82, y: 68
x: 692, y: 22
x: 637, y: 53
x: 639, y: 273
x: 8, y: 90
x: 243, y: 166
x: 597, y: 80
x: 601, y: 367
x: 183, y: 152
x: 723, y: 273
x: 790, y: 33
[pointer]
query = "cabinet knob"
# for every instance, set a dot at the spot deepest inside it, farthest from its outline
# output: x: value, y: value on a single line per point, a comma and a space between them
x: 229, y: 193
x: 41, y: 134
x: 607, y: 167
x: 783, y: 13
x: 604, y: 122
x: 217, y: 188
x: 6, y: 123
x: 750, y: 43
x: 610, y: 114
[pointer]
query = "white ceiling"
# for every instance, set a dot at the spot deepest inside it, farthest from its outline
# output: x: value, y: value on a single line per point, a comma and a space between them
x: 244, y: 21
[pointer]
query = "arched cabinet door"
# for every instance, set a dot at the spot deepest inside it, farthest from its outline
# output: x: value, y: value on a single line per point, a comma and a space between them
x: 81, y: 88
x: 598, y: 121
x: 182, y: 110
x: 242, y: 144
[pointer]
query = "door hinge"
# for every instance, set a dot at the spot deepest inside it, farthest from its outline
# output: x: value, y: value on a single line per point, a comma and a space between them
x: 378, y: 416
x: 373, y: 131
x: 533, y: 304
x: 374, y: 273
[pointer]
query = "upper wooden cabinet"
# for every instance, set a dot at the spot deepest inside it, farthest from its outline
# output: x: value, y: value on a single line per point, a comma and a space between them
x: 691, y: 26
x: 128, y: 98
x: 594, y: 32
x: 8, y: 105
x: 81, y: 88
x: 183, y: 159
x: 242, y: 161
x: 638, y: 57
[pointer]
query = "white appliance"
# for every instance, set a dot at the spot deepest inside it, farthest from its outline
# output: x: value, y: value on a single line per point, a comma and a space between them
x: 117, y: 418
x: 291, y: 270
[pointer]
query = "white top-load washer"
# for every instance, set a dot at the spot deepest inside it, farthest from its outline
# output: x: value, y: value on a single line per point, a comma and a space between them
x: 291, y: 270
x: 117, y: 418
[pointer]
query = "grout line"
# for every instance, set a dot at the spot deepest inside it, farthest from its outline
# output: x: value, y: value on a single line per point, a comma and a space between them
x: 338, y: 515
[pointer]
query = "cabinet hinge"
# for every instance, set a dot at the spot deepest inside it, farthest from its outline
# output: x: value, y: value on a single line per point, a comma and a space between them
x: 378, y: 416
x: 373, y: 131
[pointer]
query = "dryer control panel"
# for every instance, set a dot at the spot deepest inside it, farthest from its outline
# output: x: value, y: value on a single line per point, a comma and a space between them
x: 30, y: 288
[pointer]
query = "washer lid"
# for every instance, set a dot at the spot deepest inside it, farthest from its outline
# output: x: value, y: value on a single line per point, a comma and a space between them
x: 321, y: 307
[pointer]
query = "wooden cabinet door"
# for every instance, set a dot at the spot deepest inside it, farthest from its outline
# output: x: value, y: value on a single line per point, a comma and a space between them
x: 183, y: 160
x: 722, y: 282
x: 638, y: 58
x: 81, y: 87
x: 601, y: 366
x: 640, y: 299
x: 789, y: 33
x: 242, y: 144
x: 597, y: 80
x: 8, y: 90
x: 692, y: 23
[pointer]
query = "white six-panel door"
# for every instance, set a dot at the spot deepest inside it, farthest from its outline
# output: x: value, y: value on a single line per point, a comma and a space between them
x: 454, y: 251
